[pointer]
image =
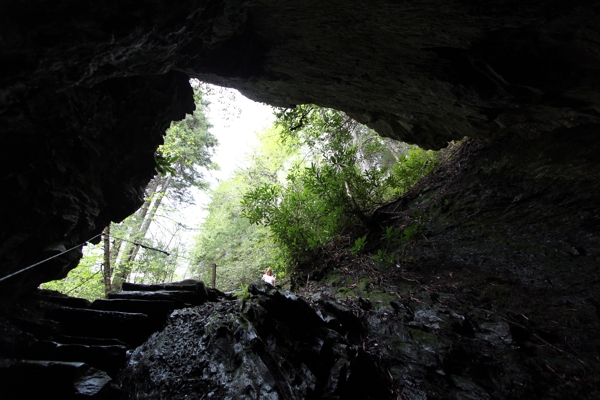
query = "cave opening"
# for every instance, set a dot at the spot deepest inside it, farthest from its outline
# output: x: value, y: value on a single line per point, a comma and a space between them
x: 511, y: 230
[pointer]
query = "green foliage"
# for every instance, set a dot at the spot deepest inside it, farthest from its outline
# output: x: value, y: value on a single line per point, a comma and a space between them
x: 391, y: 234
x: 346, y: 171
x: 310, y: 206
x: 385, y: 258
x: 84, y: 281
x: 187, y: 152
x: 359, y: 245
x: 315, y: 176
x: 243, y: 293
x: 416, y: 164
x: 395, y: 242
x: 153, y: 266
x: 241, y: 250
x: 293, y: 213
x: 409, y: 233
x: 164, y: 164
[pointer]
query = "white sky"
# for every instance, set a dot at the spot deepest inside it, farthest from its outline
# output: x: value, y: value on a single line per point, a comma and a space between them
x: 234, y: 125
x: 236, y: 133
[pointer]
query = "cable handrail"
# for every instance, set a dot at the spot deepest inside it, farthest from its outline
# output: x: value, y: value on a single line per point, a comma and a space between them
x: 84, y: 243
x: 47, y: 259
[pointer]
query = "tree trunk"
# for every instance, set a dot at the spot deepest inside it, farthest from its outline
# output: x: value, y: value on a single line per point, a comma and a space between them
x: 214, y: 276
x: 107, y: 265
x: 355, y: 208
x: 114, y: 253
x: 148, y: 220
x: 131, y: 250
x: 117, y: 255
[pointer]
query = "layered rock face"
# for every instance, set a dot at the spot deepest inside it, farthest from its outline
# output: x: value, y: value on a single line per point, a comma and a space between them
x: 271, y: 346
x: 87, y: 89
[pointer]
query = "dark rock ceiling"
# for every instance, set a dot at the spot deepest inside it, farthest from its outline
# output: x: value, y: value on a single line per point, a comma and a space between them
x: 88, y: 88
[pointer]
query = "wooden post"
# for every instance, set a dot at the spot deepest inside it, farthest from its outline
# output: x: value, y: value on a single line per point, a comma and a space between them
x: 214, y: 275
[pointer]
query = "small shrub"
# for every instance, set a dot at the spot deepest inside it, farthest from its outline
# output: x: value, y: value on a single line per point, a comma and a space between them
x: 359, y: 246
x: 243, y: 293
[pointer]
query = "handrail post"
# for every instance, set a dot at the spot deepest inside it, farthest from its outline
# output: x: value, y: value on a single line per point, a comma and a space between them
x: 214, y: 275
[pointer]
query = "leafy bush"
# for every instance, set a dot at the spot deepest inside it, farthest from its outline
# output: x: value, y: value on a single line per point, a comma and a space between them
x: 347, y: 170
x: 359, y: 245
x: 243, y: 293
x: 417, y: 164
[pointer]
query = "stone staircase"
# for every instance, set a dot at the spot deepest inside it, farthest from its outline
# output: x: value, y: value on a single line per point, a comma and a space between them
x: 55, y: 346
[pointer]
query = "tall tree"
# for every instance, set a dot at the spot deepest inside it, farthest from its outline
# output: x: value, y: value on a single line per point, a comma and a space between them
x: 107, y: 266
x: 242, y: 250
x: 183, y: 160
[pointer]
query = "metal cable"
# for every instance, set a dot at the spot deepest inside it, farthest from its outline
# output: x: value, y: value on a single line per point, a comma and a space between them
x: 47, y: 259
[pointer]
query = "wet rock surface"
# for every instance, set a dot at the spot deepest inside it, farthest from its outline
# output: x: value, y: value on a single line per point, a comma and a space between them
x: 272, y: 345
x: 55, y: 346
x: 453, y: 338
x: 88, y: 89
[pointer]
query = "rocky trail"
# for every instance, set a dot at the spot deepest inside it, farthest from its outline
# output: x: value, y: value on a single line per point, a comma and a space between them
x: 354, y: 327
x: 452, y: 333
x: 55, y: 346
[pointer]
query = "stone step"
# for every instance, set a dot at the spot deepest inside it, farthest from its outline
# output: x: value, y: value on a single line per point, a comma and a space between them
x: 180, y: 298
x: 131, y: 328
x: 66, y: 339
x: 109, y: 359
x: 37, y: 379
x: 190, y: 285
x: 62, y: 299
x: 159, y: 308
x: 41, y: 328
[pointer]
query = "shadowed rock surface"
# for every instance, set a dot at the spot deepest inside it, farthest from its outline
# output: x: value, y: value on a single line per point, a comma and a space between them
x: 53, y: 379
x: 54, y: 346
x: 88, y: 89
x: 270, y: 346
x: 497, y: 295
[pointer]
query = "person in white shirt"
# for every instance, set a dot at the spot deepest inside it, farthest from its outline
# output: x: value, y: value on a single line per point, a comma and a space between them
x: 268, y: 277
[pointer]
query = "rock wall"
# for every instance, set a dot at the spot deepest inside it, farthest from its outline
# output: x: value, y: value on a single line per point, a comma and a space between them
x: 86, y: 96
x: 509, y: 232
x: 87, y: 89
x: 82, y: 160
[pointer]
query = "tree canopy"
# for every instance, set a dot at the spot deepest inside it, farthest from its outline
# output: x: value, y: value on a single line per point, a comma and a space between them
x: 240, y: 249
x: 316, y: 175
x: 345, y: 172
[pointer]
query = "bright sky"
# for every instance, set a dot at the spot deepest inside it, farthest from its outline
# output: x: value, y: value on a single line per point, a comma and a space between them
x: 235, y: 132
